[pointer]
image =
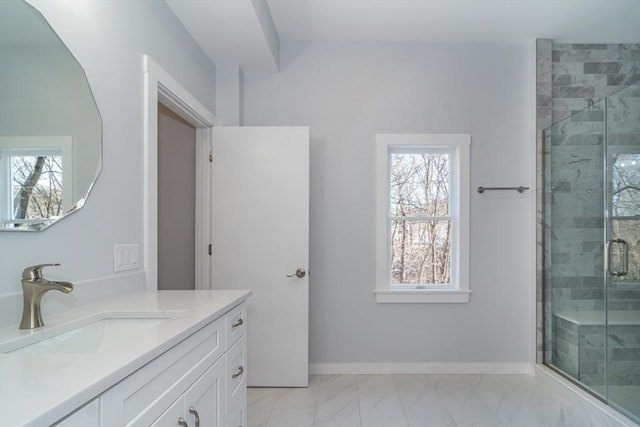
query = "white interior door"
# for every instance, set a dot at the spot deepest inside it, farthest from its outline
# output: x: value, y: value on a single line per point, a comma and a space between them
x: 260, y: 237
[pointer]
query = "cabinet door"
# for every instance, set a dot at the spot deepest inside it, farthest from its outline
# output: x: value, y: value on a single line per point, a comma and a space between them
x: 236, y: 373
x: 238, y: 417
x: 170, y: 417
x: 202, y: 405
x: 142, y: 397
x: 205, y: 399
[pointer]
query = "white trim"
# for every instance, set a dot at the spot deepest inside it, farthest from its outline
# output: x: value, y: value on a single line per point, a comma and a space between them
x: 533, y: 213
x: 422, y: 296
x: 159, y: 86
x: 421, y: 368
x: 204, y: 176
x: 459, y: 293
x: 599, y: 412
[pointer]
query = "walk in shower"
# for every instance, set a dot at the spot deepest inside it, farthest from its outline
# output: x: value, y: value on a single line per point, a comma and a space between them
x: 591, y: 241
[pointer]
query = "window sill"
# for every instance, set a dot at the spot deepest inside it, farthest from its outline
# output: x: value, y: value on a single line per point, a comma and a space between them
x: 422, y: 296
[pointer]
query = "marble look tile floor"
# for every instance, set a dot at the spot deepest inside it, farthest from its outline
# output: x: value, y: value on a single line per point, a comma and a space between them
x: 414, y: 401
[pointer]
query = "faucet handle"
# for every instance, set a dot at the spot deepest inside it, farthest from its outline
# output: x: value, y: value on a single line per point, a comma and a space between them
x: 34, y: 272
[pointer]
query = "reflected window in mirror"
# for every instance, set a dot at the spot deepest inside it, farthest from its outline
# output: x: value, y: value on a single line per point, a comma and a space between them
x: 36, y: 179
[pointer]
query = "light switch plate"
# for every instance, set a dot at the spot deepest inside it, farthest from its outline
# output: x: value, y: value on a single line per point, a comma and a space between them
x: 126, y: 257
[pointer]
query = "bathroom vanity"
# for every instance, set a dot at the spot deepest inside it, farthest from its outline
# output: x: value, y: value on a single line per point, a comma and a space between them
x: 156, y: 358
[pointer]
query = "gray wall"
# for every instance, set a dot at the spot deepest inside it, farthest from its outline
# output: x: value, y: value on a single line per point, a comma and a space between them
x: 346, y: 93
x: 108, y: 39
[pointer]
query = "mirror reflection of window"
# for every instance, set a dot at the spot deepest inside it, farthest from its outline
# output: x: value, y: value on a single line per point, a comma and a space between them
x: 35, y: 179
x: 36, y: 182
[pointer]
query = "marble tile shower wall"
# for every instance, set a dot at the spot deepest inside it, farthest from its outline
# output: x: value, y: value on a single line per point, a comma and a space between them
x: 623, y: 364
x: 579, y: 351
x: 585, y: 73
x: 581, y: 76
x: 571, y: 80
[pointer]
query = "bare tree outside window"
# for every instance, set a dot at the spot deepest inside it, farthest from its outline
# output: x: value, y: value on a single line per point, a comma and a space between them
x: 420, y: 218
x: 36, y: 186
x: 625, y: 208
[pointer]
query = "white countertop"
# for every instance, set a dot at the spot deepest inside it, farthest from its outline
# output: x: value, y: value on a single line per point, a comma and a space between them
x: 40, y: 389
x: 594, y: 318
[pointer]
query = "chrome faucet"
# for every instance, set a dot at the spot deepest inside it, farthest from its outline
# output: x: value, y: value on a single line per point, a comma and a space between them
x: 33, y: 288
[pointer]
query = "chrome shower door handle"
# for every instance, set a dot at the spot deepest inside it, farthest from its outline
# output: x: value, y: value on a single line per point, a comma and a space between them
x: 625, y: 257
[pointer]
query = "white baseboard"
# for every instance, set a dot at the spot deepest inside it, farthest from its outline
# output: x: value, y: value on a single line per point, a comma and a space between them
x: 420, y: 368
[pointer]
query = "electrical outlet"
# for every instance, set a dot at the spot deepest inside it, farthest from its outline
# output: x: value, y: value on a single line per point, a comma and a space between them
x: 125, y: 257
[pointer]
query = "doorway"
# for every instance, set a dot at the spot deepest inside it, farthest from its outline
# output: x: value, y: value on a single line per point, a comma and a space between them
x: 176, y: 201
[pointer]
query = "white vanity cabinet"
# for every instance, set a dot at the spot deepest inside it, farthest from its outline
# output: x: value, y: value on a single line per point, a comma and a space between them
x: 140, y: 373
x: 199, y: 382
x: 201, y: 404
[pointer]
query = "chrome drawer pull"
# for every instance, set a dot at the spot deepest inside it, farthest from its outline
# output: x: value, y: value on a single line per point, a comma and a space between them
x: 238, y: 323
x: 182, y: 422
x: 240, y: 372
x: 193, y: 412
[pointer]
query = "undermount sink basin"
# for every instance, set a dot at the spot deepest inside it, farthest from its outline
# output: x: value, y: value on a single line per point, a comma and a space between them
x: 89, y: 336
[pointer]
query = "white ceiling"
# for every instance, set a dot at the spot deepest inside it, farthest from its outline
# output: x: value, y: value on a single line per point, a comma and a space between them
x: 236, y: 32
x: 243, y: 32
x: 457, y: 21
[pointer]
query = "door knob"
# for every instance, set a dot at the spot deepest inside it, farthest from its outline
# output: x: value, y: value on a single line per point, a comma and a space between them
x: 300, y: 273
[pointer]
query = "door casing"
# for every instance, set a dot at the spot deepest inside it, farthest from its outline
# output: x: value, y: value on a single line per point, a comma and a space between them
x: 160, y: 86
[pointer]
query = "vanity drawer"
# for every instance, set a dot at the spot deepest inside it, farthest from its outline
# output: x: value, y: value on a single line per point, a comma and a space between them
x: 236, y: 320
x: 163, y: 380
x: 236, y: 373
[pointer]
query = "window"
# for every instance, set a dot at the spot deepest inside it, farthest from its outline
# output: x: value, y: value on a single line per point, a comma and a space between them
x: 423, y: 218
x: 624, y: 211
x: 35, y: 179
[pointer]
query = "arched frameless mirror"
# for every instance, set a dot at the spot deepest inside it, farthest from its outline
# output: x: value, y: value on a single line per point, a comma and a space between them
x: 50, y: 127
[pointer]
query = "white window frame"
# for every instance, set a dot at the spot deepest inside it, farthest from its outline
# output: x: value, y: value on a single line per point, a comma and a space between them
x: 458, y: 290
x: 32, y: 146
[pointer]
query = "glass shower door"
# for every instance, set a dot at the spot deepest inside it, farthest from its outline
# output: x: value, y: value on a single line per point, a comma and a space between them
x: 574, y: 218
x: 622, y: 253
